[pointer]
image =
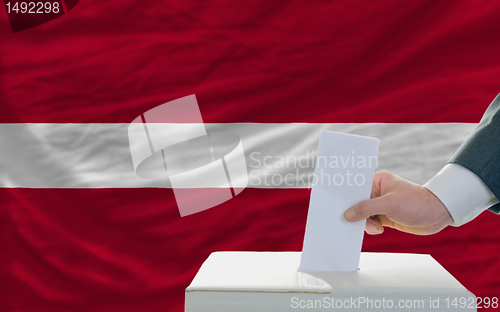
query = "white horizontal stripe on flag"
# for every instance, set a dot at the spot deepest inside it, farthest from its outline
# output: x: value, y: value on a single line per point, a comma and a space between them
x: 98, y: 155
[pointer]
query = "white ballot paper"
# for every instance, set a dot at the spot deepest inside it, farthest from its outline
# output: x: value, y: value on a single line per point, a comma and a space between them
x: 343, y: 176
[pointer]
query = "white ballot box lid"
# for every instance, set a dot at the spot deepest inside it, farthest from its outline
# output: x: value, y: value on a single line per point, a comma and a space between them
x: 270, y: 281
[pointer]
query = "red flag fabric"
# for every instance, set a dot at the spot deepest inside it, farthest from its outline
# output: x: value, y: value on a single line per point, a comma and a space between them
x: 127, y: 249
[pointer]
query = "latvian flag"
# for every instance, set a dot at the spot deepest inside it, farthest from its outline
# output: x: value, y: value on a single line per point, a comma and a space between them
x: 85, y: 227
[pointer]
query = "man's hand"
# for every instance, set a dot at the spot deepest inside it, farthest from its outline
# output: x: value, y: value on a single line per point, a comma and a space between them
x: 401, y: 205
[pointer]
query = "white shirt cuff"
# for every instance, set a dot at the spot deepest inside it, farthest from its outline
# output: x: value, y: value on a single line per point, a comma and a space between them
x: 462, y: 192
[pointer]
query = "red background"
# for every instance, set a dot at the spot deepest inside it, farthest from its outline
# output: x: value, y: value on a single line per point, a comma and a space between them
x: 259, y: 61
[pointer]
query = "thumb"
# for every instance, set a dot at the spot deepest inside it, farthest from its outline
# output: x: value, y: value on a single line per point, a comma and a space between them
x: 367, y: 208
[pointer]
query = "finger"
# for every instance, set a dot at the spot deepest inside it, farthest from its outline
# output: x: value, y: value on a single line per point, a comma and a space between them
x: 370, y: 207
x: 384, y: 221
x: 379, y: 179
x: 376, y: 192
x: 373, y: 226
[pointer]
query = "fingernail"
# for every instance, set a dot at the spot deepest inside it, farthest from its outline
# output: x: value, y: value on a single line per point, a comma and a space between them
x: 352, y: 213
x: 373, y: 228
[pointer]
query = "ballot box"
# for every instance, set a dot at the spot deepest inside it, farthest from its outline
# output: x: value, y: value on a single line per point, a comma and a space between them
x: 271, y: 282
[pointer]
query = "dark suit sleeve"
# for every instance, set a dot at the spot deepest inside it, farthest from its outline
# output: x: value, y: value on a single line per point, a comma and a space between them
x: 480, y: 153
